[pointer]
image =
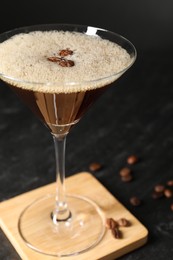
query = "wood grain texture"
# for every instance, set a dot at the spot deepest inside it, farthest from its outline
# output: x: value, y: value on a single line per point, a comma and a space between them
x: 109, y: 248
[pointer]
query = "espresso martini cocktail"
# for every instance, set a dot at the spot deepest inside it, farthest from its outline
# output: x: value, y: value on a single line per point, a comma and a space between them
x: 59, y: 71
x: 59, y: 58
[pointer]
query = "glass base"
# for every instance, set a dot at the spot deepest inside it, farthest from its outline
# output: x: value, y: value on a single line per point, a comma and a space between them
x: 79, y: 233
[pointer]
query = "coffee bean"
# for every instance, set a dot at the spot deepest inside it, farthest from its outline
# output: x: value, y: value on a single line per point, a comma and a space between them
x: 125, y: 172
x: 123, y: 222
x: 95, y: 166
x: 170, y: 183
x: 159, y: 188
x: 111, y: 223
x: 132, y: 159
x: 135, y: 201
x: 127, y: 178
x: 116, y: 233
x: 65, y: 52
x: 157, y: 195
x: 168, y: 193
x: 171, y: 207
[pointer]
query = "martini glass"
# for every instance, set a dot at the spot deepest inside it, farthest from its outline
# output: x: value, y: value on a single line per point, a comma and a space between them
x: 57, y: 224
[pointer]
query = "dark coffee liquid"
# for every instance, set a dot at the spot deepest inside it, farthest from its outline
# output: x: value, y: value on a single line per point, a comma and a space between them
x: 59, y: 111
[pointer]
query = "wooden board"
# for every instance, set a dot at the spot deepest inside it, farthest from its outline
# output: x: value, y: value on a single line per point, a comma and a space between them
x: 84, y: 184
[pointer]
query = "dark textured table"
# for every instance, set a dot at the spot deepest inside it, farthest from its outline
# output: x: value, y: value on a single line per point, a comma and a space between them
x: 134, y: 117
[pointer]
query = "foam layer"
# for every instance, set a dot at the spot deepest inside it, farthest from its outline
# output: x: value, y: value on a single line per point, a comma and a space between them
x: 24, y: 57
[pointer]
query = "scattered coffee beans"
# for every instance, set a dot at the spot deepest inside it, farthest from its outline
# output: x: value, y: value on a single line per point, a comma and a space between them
x: 123, y: 222
x: 170, y: 183
x: 114, y: 225
x: 116, y: 233
x: 168, y: 193
x: 95, y: 166
x: 126, y: 175
x: 171, y: 207
x: 111, y: 223
x: 135, y: 201
x: 159, y: 188
x: 162, y: 190
x: 157, y: 195
x: 124, y: 172
x: 132, y: 159
x: 127, y: 178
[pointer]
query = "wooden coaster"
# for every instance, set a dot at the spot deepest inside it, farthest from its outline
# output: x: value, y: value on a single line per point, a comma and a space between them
x: 84, y: 184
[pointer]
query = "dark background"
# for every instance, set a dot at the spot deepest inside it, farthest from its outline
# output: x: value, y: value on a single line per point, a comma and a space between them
x: 136, y: 117
x: 147, y: 23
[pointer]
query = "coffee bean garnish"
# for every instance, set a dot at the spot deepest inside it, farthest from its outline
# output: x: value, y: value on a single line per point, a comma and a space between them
x: 132, y: 159
x: 66, y: 63
x: 95, y: 166
x: 65, y: 52
x: 135, y: 201
x: 63, y: 62
x: 54, y: 59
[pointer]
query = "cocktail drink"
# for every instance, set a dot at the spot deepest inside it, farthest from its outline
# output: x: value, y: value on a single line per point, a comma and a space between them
x: 59, y: 71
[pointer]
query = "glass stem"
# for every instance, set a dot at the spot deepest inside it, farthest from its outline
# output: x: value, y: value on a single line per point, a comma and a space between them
x: 61, y: 211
